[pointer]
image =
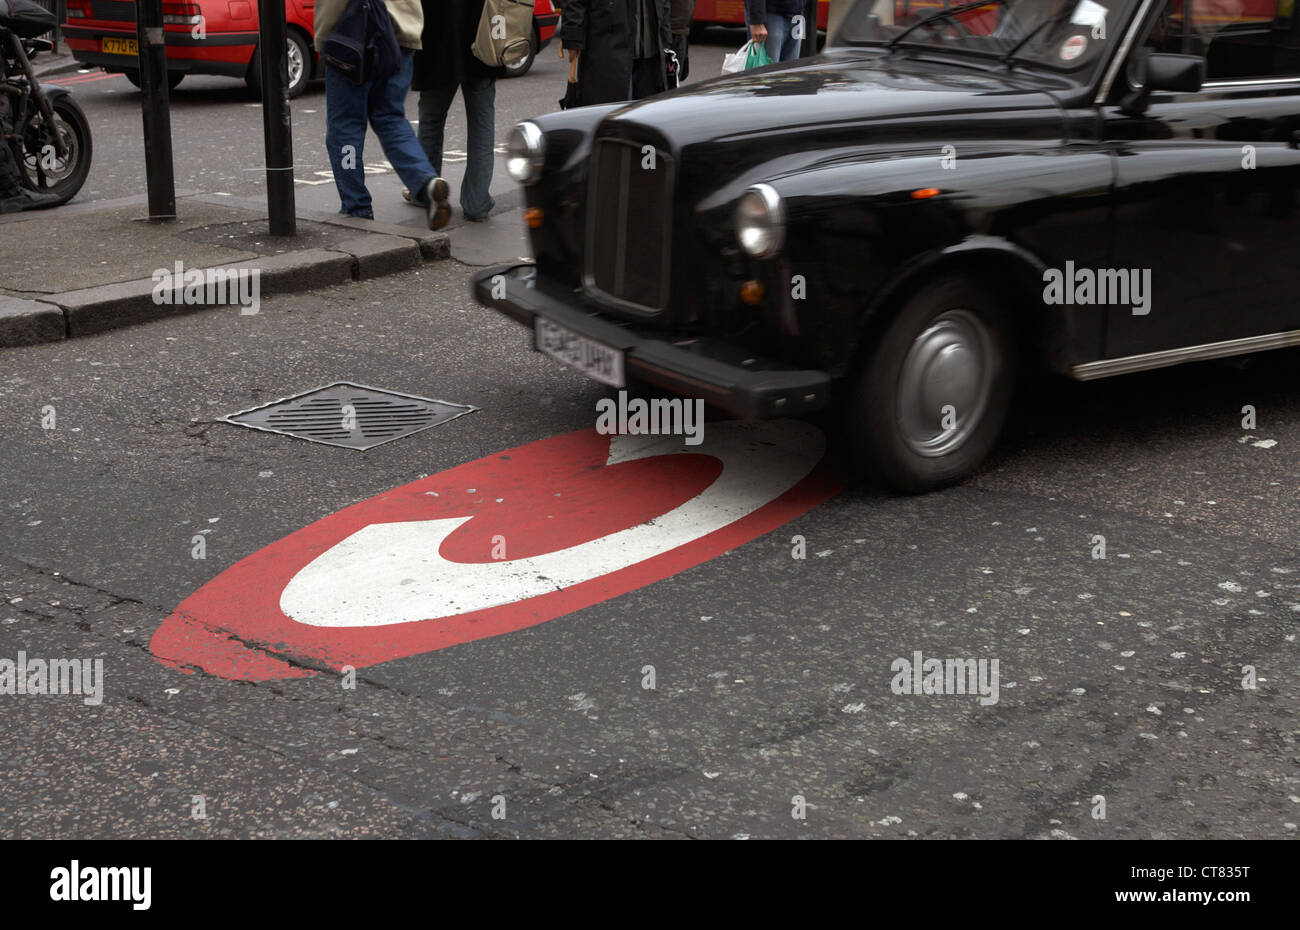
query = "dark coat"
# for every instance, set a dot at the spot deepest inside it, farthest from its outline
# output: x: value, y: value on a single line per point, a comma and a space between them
x: 445, y: 59
x: 757, y: 10
x: 679, y: 20
x: 602, y: 31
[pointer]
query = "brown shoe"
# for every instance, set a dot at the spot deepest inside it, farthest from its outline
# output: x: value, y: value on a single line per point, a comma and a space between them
x: 436, y: 196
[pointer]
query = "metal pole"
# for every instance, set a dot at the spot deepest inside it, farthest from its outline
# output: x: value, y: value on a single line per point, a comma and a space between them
x: 154, y: 104
x: 277, y: 123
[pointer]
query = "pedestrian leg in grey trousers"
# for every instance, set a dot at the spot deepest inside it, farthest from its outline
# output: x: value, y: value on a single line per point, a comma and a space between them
x: 434, y: 104
x: 480, y: 115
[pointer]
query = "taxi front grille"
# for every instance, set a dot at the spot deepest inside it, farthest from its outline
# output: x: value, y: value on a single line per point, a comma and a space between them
x: 629, y: 226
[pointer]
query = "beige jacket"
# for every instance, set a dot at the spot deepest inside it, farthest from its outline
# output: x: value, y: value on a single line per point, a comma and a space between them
x: 407, y: 17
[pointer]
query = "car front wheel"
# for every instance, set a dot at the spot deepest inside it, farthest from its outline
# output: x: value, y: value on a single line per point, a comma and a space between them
x: 932, y: 394
x: 298, y: 60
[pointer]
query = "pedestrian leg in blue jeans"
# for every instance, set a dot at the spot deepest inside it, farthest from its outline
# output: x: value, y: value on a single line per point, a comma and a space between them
x: 388, y: 119
x: 348, y: 107
x: 345, y: 140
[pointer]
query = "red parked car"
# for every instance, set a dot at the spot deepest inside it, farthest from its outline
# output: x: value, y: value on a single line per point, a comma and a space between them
x: 203, y: 37
x: 220, y: 37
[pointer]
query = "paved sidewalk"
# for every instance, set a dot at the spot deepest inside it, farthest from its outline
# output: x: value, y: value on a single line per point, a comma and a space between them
x: 86, y: 268
x: 48, y: 66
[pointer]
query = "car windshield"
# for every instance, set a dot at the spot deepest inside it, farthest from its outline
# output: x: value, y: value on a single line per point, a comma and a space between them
x: 1065, y: 35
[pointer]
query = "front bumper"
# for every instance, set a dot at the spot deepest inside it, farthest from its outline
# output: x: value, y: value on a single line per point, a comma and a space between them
x: 721, y: 374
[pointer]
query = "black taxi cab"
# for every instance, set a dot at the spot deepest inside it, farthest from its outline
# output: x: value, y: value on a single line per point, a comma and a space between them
x: 947, y: 193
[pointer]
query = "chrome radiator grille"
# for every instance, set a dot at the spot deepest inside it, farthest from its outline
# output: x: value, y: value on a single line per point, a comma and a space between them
x: 629, y: 227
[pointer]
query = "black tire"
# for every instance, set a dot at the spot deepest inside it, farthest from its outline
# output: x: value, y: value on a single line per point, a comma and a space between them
x: 174, y: 78
x: 253, y: 77
x: 68, y: 174
x: 953, y: 340
x: 524, y: 66
x: 296, y: 45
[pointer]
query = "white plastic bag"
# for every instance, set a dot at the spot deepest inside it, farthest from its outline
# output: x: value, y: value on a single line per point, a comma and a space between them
x: 735, y: 61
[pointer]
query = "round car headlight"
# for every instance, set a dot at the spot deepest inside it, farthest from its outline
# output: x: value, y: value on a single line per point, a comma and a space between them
x: 760, y: 221
x: 525, y: 152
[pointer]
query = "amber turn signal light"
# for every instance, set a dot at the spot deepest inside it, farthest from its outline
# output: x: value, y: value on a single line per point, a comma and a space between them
x: 926, y: 193
x: 533, y: 217
x: 751, y: 292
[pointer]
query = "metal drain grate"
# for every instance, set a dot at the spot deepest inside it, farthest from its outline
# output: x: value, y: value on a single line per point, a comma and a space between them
x: 350, y: 415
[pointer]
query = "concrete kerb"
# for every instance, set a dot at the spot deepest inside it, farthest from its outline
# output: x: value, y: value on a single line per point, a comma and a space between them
x: 378, y: 249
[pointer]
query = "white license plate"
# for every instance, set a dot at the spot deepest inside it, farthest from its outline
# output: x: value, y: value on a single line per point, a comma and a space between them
x: 595, y: 360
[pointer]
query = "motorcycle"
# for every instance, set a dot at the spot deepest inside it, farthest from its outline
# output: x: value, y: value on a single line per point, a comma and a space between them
x: 45, y: 134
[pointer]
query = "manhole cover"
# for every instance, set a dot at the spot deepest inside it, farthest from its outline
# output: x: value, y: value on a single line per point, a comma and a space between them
x: 350, y: 415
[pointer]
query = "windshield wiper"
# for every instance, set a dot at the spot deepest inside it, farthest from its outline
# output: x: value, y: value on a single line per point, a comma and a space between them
x: 1055, y: 21
x: 945, y: 13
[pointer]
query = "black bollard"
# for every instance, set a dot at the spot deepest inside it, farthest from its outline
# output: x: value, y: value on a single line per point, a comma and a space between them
x: 156, y: 107
x: 277, y: 123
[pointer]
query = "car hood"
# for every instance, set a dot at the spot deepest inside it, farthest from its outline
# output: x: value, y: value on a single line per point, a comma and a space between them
x: 844, y: 88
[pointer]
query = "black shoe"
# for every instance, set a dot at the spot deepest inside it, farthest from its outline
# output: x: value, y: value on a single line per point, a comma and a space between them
x: 27, y: 200
x: 479, y: 217
x: 436, y: 194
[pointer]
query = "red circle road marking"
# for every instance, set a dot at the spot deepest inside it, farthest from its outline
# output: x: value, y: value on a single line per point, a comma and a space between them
x: 583, y: 518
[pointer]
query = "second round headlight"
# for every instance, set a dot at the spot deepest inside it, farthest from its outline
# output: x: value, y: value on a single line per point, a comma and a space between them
x: 760, y: 221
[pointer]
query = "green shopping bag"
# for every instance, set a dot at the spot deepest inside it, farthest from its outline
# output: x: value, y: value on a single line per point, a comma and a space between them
x: 757, y: 56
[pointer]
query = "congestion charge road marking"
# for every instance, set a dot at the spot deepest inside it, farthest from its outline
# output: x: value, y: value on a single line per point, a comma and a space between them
x: 582, y: 518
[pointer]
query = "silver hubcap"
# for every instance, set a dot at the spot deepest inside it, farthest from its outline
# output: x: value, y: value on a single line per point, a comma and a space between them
x: 296, y: 63
x: 945, y: 383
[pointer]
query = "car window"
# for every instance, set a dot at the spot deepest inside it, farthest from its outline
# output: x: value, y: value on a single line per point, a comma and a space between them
x: 1064, y: 35
x: 1240, y: 39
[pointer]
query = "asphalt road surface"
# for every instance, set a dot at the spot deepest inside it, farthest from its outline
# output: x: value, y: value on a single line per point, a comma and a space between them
x: 1120, y: 712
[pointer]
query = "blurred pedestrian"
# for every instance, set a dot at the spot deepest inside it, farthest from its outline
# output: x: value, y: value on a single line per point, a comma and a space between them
x: 619, y: 46
x: 379, y: 102
x: 835, y: 14
x: 772, y: 23
x: 679, y: 23
x: 442, y: 65
x: 14, y: 194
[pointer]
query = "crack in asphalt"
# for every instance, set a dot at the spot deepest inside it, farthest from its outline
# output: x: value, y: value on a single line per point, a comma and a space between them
x: 435, y: 816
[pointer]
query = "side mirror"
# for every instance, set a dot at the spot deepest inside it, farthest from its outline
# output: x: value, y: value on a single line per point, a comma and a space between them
x: 1184, y: 73
x: 1161, y: 71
